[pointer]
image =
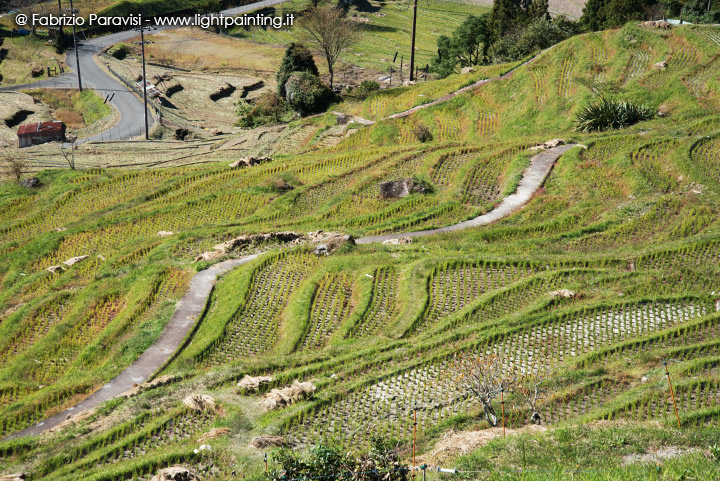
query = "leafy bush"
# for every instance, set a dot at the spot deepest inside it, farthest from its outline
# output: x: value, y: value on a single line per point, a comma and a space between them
x: 121, y: 51
x: 539, y: 34
x: 366, y: 88
x: 330, y: 463
x: 306, y: 94
x: 297, y: 59
x: 422, y: 133
x: 611, y: 114
x: 269, y: 108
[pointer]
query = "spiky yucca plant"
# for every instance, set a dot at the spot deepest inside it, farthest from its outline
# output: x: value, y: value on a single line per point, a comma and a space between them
x: 611, y: 114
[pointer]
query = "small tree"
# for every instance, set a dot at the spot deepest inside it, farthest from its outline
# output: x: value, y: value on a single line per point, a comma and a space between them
x: 14, y: 167
x: 306, y: 94
x: 327, y: 29
x: 297, y: 59
x: 484, y: 377
x: 69, y: 154
x: 532, y: 387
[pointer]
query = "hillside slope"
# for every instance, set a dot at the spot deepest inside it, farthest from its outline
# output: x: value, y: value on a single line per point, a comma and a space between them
x: 630, y: 224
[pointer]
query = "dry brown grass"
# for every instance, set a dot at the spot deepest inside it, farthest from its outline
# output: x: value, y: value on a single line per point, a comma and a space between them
x: 198, y: 49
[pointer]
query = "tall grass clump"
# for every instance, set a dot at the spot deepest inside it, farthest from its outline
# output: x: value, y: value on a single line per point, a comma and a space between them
x: 611, y: 114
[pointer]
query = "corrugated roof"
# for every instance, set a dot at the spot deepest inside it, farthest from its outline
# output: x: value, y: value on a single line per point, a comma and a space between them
x: 52, y: 126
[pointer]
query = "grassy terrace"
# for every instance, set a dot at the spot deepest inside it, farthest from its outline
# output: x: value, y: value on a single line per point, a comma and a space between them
x: 385, y: 28
x: 630, y: 224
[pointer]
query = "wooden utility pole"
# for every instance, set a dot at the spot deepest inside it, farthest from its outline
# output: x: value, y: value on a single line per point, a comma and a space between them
x: 77, y: 57
x: 412, y: 42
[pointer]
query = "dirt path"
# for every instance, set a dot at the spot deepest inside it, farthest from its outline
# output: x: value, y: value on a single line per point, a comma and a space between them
x: 533, y: 177
x: 187, y: 312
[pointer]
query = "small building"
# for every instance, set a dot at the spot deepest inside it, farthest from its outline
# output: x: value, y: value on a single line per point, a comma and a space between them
x: 40, y: 133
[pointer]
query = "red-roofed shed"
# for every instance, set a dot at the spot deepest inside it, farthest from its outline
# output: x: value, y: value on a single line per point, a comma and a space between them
x: 41, y: 132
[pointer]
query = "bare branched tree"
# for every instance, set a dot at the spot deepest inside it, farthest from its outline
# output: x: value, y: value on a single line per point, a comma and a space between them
x: 13, y: 167
x: 330, y: 31
x: 484, y: 377
x: 69, y: 155
x: 532, y: 387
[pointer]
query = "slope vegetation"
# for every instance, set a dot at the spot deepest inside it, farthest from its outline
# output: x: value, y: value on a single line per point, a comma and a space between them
x: 629, y: 224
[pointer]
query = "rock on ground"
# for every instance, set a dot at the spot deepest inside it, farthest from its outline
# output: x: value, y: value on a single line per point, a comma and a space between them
x: 12, y: 477
x: 398, y: 241
x: 278, y: 398
x: 249, y: 162
x: 252, y: 384
x: 71, y: 420
x: 175, y: 473
x: 244, y: 241
x: 200, y: 402
x: 565, y: 293
x: 397, y: 189
x: 327, y: 243
x: 30, y: 182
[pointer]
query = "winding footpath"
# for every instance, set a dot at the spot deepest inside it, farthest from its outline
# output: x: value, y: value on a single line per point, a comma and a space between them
x: 182, y: 322
x: 192, y: 304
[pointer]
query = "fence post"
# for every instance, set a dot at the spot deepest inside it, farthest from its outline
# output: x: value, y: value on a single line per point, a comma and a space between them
x: 672, y: 394
x: 502, y: 405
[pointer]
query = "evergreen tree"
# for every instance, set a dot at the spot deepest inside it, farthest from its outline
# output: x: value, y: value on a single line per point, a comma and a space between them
x: 539, y: 9
x: 297, y: 59
x: 593, y: 17
x: 504, y: 17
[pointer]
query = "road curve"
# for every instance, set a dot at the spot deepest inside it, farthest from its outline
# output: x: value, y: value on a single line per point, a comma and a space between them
x: 187, y: 312
x: 129, y: 106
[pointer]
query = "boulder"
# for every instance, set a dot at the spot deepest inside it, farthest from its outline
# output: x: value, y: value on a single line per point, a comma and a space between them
x: 332, y: 243
x: 175, y: 473
x: 550, y: 144
x: 55, y: 269
x: 660, y: 65
x: 75, y: 260
x: 398, y: 241
x: 467, y: 70
x: 564, y: 293
x: 13, y: 477
x: 249, y: 162
x: 246, y: 241
x: 397, y: 189
x: 200, y: 402
x: 165, y: 233
x: 252, y: 384
x: 181, y: 133
x: 264, y: 442
x: 30, y: 182
x: 212, y: 434
x: 278, y: 398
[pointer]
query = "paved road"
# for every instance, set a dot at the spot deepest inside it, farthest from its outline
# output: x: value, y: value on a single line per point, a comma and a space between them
x: 130, y: 106
x: 187, y: 312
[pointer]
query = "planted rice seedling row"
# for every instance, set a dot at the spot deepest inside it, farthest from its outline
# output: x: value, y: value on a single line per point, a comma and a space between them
x: 332, y: 303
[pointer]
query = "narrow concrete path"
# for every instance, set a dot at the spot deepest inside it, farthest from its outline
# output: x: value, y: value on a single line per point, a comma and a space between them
x: 187, y: 312
x: 533, y: 177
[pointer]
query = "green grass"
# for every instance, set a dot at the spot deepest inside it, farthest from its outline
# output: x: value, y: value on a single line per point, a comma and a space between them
x: 629, y: 224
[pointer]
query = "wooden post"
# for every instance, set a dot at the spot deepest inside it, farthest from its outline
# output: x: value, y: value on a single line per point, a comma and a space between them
x: 672, y: 394
x: 412, y: 42
x: 502, y: 406
x: 414, y: 432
